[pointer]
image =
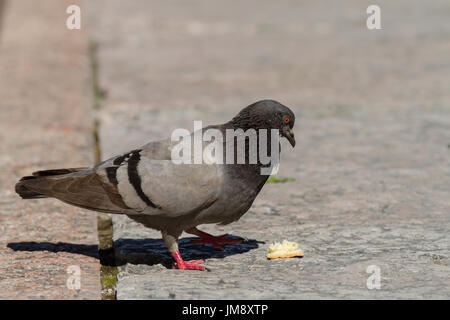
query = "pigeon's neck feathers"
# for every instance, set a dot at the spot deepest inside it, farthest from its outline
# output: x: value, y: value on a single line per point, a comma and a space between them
x: 246, y: 120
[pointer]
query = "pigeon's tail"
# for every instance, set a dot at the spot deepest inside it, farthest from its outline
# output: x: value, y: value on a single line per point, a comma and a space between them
x: 26, y: 193
x: 28, y: 187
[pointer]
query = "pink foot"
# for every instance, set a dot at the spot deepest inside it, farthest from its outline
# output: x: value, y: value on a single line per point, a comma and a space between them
x: 216, y: 241
x: 187, y: 265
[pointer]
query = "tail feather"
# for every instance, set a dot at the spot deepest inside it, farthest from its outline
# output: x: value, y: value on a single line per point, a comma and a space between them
x: 26, y: 193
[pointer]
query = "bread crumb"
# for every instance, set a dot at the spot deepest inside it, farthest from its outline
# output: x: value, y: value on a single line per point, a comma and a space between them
x: 286, y: 249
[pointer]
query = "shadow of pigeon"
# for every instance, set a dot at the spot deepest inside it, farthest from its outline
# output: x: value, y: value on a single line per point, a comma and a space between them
x: 140, y: 251
x: 154, y: 251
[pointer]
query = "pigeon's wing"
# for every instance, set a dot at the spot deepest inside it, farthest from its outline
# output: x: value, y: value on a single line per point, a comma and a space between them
x: 89, y: 188
x: 160, y: 187
x: 142, y: 181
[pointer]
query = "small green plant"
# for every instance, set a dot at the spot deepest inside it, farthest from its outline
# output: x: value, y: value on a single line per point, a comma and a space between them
x: 275, y: 179
x: 108, y: 276
x: 109, y: 281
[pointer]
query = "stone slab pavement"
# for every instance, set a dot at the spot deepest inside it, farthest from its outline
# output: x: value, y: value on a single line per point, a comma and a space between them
x: 373, y: 131
x: 45, y: 122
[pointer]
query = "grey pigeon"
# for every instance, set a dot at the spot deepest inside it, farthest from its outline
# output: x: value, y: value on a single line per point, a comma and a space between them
x: 147, y: 186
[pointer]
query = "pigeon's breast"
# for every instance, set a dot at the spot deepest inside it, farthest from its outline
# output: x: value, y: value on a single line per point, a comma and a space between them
x: 241, y: 186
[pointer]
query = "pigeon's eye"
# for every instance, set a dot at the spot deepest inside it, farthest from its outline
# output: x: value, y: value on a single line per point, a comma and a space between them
x: 286, y: 120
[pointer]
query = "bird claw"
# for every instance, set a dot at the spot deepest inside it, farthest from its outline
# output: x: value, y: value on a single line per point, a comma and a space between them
x: 190, y: 265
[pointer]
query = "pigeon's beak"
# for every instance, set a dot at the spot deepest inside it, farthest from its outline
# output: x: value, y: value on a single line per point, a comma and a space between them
x: 288, y: 133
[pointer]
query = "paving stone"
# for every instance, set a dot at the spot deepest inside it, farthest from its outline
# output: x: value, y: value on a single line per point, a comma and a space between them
x: 371, y: 162
x: 45, y: 122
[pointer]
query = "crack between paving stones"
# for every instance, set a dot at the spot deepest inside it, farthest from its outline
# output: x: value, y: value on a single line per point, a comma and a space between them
x: 2, y: 10
x: 108, y: 269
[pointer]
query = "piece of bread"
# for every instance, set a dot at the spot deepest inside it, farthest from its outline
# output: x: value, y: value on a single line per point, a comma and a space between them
x: 286, y: 249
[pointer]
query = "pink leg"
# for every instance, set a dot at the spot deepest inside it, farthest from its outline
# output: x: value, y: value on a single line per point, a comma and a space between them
x: 187, y: 265
x: 215, y: 241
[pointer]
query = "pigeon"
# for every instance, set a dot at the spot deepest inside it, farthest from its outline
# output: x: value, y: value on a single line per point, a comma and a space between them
x: 148, y: 186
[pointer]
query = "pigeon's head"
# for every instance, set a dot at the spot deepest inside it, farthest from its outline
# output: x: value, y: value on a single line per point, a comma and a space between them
x: 267, y: 114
